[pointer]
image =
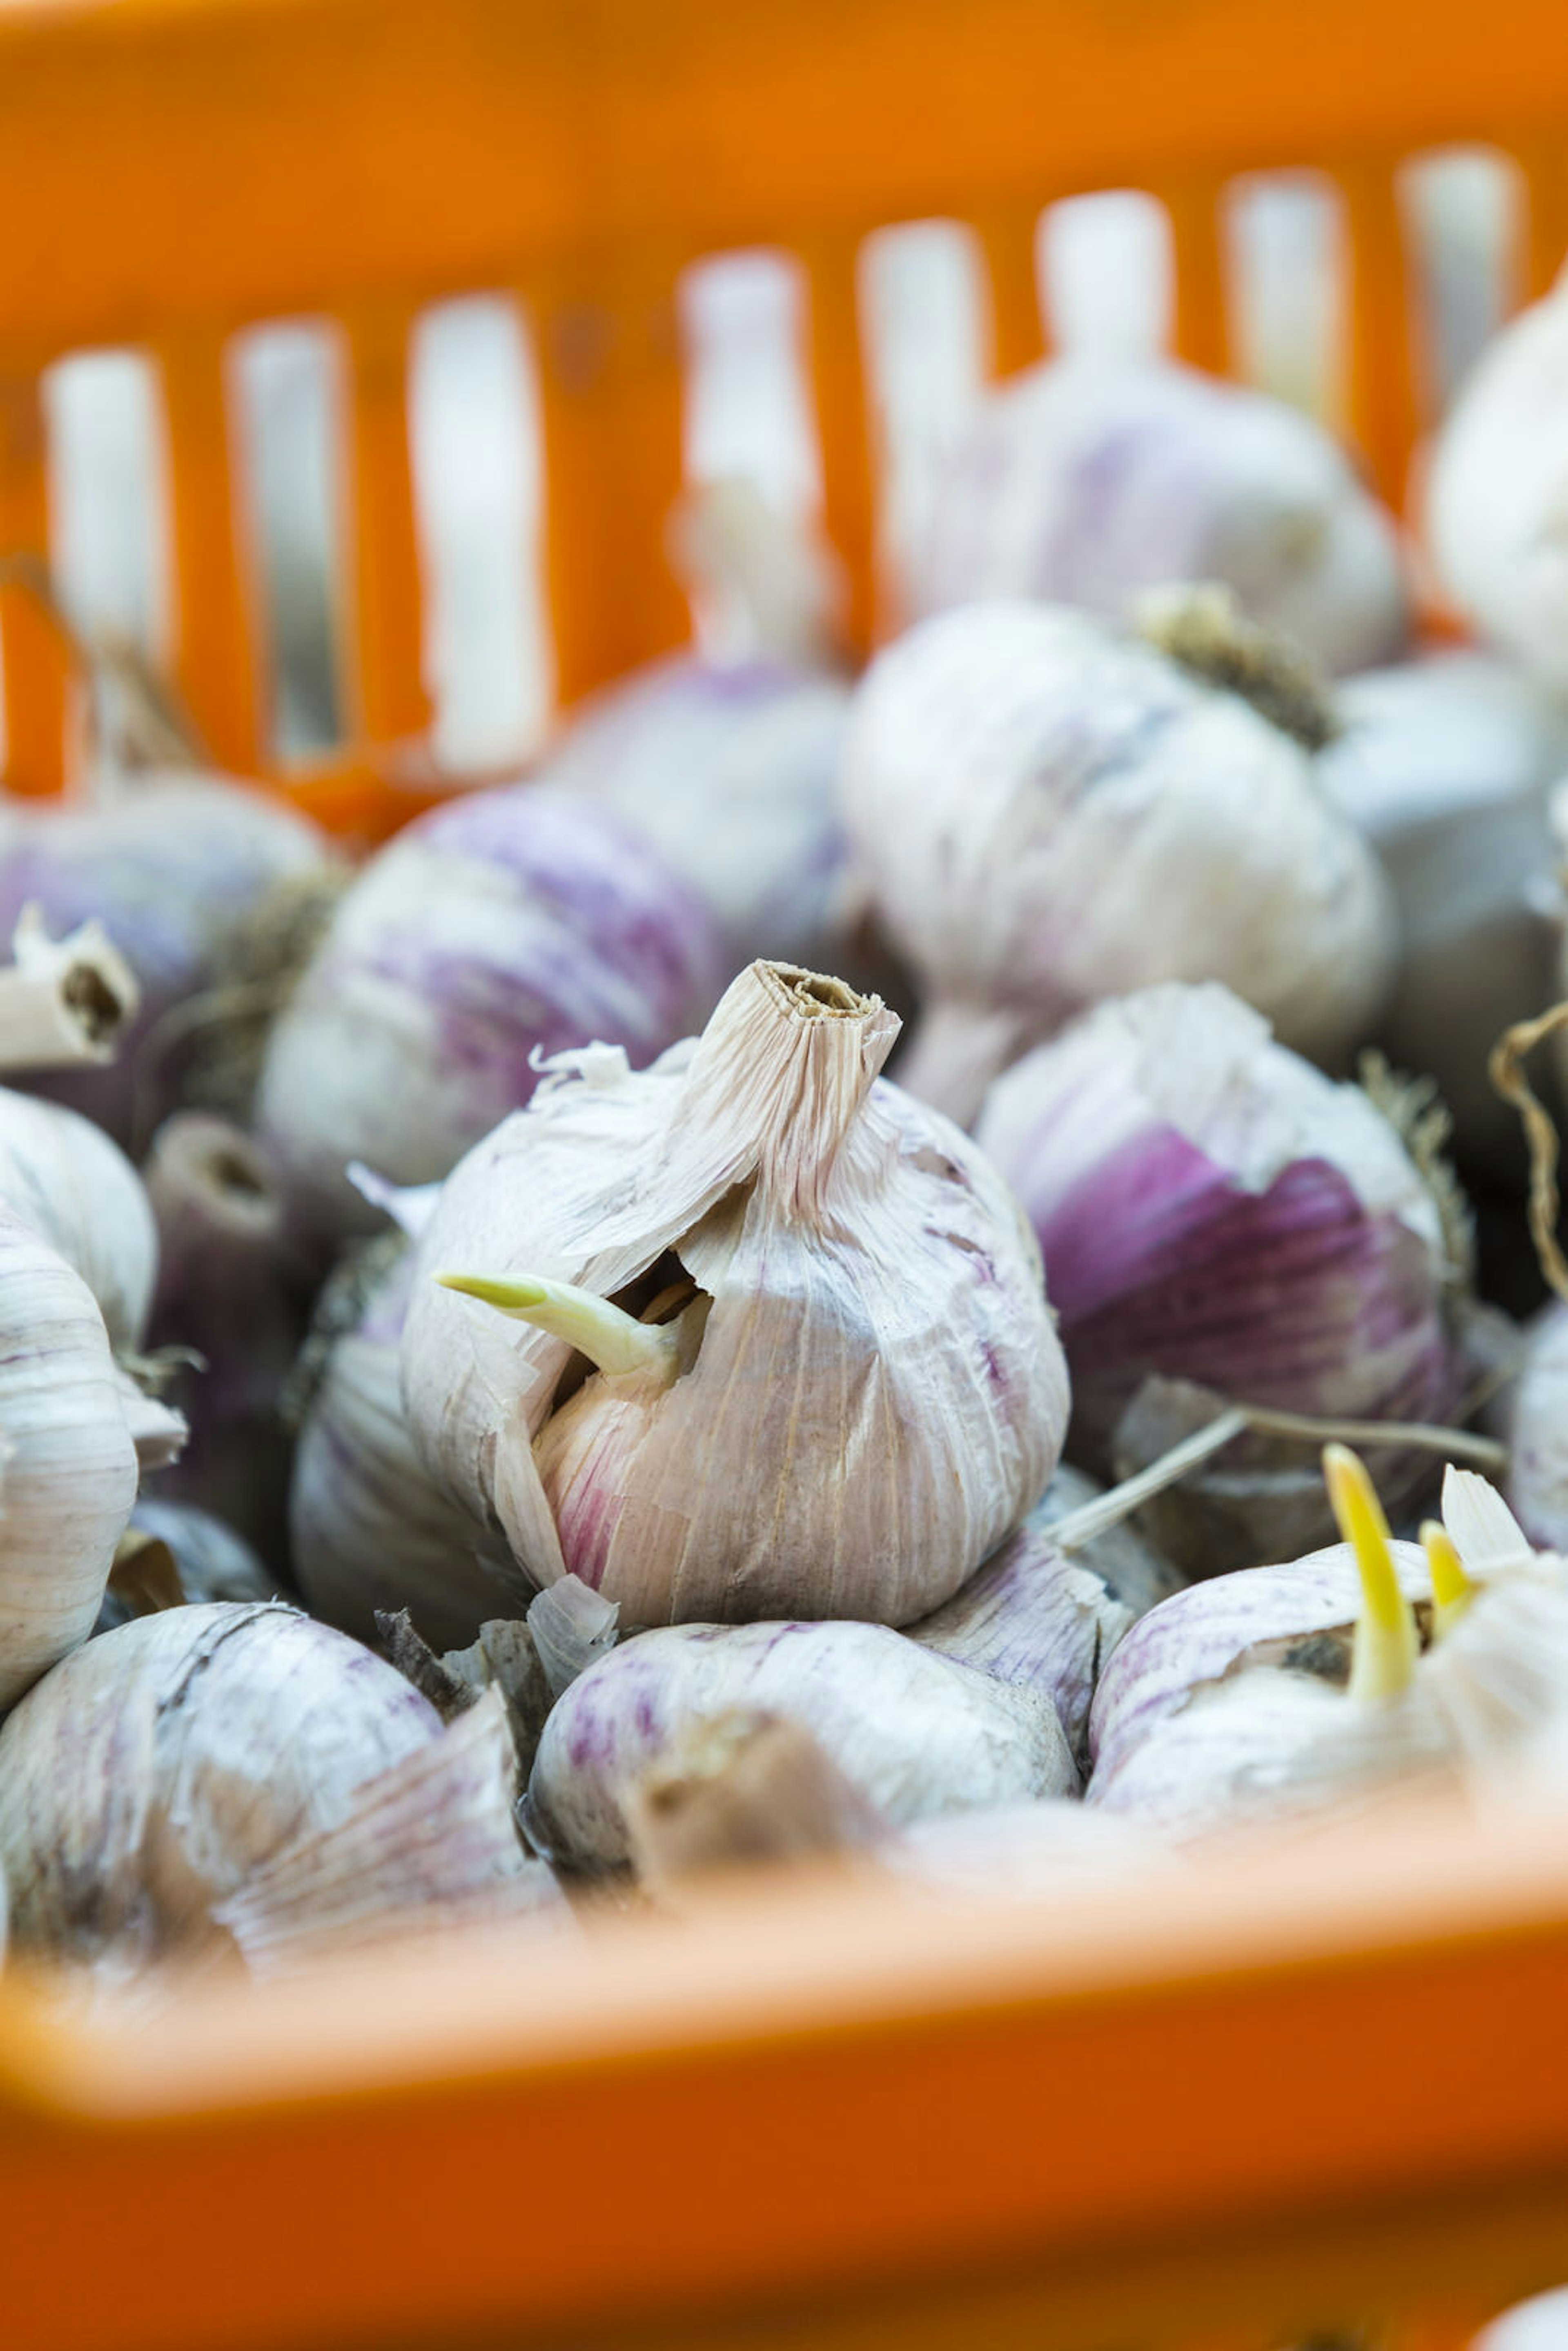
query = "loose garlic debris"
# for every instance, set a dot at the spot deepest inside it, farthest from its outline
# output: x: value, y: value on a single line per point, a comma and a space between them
x: 770, y: 1339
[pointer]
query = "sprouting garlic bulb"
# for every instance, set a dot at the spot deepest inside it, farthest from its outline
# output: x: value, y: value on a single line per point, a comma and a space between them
x: 369, y: 1528
x: 175, y: 870
x: 1047, y: 813
x: 1497, y: 492
x: 915, y: 1733
x: 144, y: 1779
x: 1214, y: 1210
x: 506, y: 924
x: 1091, y: 478
x: 821, y: 1373
x: 68, y: 1458
x: 1445, y: 765
x: 64, y: 1177
x: 1047, y: 1619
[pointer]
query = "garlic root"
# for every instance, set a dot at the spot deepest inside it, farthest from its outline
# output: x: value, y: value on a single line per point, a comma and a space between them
x: 63, y: 1002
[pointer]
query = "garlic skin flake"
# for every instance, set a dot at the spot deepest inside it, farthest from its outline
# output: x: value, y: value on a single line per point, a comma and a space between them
x: 68, y: 1458
x: 917, y: 1734
x: 501, y: 927
x: 861, y: 1394
x: 1046, y: 813
x: 1089, y: 477
x: 144, y: 1779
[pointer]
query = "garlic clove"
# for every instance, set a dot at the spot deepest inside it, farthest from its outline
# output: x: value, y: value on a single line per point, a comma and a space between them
x: 1386, y: 1641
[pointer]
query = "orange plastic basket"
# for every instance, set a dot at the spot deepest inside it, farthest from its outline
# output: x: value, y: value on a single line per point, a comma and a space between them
x: 1286, y: 2090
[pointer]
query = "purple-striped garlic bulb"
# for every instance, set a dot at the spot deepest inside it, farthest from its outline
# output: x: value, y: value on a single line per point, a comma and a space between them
x: 1215, y: 1212
x: 1047, y: 812
x: 510, y: 923
x: 1091, y: 478
x: 772, y: 1335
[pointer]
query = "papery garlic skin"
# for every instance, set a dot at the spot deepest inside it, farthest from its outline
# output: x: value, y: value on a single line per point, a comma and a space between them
x: 1213, y: 1209
x: 68, y: 1458
x: 867, y: 1394
x: 173, y: 869
x: 369, y: 1528
x: 1496, y: 517
x: 1445, y: 765
x: 1047, y: 813
x: 65, y: 1178
x: 1090, y: 477
x: 917, y: 1734
x: 144, y: 1779
x: 506, y: 924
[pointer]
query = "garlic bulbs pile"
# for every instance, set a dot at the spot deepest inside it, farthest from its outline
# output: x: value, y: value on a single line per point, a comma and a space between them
x: 176, y: 870
x: 1047, y: 813
x: 779, y: 1342
x: 1213, y: 1210
x: 1444, y: 764
x: 1497, y: 492
x: 1091, y: 478
x: 503, y: 926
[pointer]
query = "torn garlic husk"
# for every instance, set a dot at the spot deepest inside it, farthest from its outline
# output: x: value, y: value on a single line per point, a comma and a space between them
x: 202, y: 1559
x: 1047, y: 812
x: 1037, y: 1616
x: 69, y: 1461
x: 749, y: 1333
x: 145, y: 1777
x: 1215, y: 1212
x: 529, y: 1662
x: 915, y: 1733
x: 63, y: 1001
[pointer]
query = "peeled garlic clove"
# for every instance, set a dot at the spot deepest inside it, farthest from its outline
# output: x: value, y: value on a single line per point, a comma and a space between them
x: 867, y: 1394
x: 1091, y: 476
x: 1214, y: 1210
x: 369, y: 1530
x: 428, y: 1846
x: 64, y: 1176
x: 1444, y: 764
x: 496, y: 928
x: 68, y: 1458
x: 915, y: 1733
x: 1044, y: 1619
x: 1047, y: 813
x: 737, y: 1789
x: 145, y: 1777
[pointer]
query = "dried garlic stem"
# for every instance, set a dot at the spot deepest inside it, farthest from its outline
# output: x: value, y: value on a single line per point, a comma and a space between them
x: 65, y: 1001
x: 1386, y: 1641
x: 1506, y: 1069
x: 1452, y: 1590
x: 616, y: 1341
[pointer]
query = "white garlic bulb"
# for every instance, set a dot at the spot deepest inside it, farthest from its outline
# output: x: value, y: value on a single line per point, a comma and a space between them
x: 1055, y: 1848
x: 144, y: 1779
x: 1537, y: 1482
x: 501, y: 926
x: 369, y: 1529
x: 915, y: 1733
x: 68, y: 1458
x: 1047, y: 813
x: 1215, y: 1211
x: 1497, y: 492
x: 64, y: 1176
x: 847, y: 1391
x: 1091, y: 476
x: 1445, y: 765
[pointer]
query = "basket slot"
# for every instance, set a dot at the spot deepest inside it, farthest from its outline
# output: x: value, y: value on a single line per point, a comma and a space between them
x: 1009, y: 245
x: 1200, y: 332
x: 610, y: 416
x: 34, y: 663
x: 842, y: 399
x: 1383, y: 405
x: 385, y: 694
x: 214, y: 655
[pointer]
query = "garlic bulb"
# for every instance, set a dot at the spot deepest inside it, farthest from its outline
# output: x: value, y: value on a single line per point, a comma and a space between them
x: 504, y: 924
x: 369, y: 1529
x: 146, y: 1777
x: 1444, y: 764
x: 917, y: 1734
x: 175, y: 869
x: 1539, y: 2324
x: 63, y: 1177
x: 1038, y: 1617
x: 1537, y: 1482
x: 1053, y: 1848
x: 1088, y: 478
x: 68, y: 1458
x: 1214, y: 1210
x: 1047, y: 813
x: 846, y: 1392
x: 1497, y: 492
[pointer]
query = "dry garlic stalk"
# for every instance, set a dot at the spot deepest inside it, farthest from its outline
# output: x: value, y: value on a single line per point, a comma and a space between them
x: 777, y: 1340
x: 63, y: 1001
